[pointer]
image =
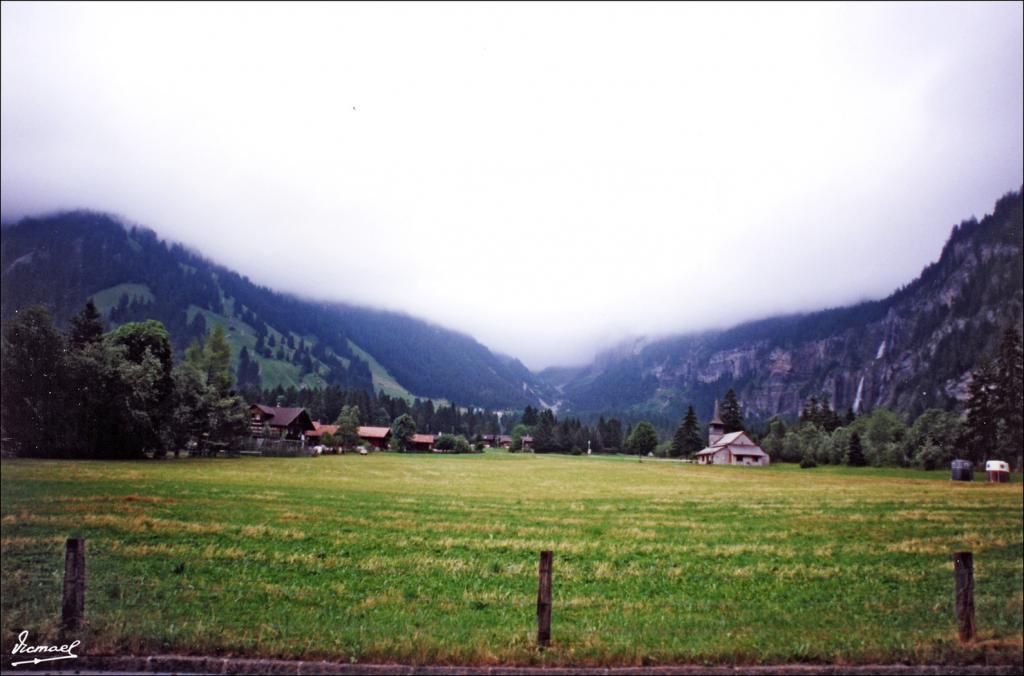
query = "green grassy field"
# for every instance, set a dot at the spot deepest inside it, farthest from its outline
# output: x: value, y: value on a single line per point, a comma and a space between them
x: 432, y: 559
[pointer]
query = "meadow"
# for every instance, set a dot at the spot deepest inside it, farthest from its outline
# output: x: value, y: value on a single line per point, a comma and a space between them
x: 431, y: 559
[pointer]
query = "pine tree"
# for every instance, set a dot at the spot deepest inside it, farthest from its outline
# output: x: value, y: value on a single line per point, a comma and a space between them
x: 248, y: 369
x: 678, y: 440
x: 86, y: 327
x: 1009, y: 395
x: 529, y: 416
x: 855, y: 452
x: 197, y: 327
x: 731, y: 414
x: 687, y: 439
x: 693, y: 440
x: 544, y: 435
x: 207, y: 407
x: 827, y: 418
x: 217, y: 354
x: 980, y: 437
x: 809, y: 413
x: 611, y: 437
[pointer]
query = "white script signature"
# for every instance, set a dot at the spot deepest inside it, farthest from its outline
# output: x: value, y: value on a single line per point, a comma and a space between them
x: 64, y: 652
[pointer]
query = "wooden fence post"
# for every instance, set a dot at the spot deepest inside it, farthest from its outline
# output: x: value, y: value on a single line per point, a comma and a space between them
x: 74, y: 583
x: 544, y: 600
x: 963, y: 572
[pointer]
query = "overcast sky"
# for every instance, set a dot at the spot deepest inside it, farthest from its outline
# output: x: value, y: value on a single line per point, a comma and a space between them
x: 548, y: 178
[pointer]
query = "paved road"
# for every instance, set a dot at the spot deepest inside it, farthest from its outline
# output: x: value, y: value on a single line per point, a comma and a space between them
x: 173, y: 664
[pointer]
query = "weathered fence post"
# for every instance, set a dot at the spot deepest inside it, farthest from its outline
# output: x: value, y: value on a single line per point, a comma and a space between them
x: 963, y: 572
x: 544, y: 600
x: 74, y: 583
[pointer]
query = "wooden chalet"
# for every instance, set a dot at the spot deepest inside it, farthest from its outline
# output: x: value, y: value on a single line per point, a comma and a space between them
x: 421, y: 442
x: 378, y: 437
x: 497, y: 440
x: 279, y: 422
x: 527, y: 443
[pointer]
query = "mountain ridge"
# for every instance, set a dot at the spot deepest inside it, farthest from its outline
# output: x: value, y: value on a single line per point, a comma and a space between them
x: 980, y: 262
x: 923, y: 338
x: 62, y: 259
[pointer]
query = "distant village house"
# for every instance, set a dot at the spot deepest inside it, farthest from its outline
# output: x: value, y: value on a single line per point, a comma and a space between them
x: 497, y: 440
x: 421, y: 442
x: 320, y: 431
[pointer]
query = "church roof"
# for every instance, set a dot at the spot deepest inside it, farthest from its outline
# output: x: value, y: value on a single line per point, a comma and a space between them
x: 739, y: 438
x: 737, y: 443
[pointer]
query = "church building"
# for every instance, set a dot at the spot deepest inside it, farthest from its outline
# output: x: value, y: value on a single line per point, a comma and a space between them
x: 735, y: 448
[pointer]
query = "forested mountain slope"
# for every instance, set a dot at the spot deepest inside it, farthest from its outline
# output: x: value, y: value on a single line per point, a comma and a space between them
x: 62, y: 260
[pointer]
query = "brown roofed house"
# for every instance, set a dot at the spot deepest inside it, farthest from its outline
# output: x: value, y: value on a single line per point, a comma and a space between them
x: 378, y: 437
x: 279, y: 422
x: 421, y: 442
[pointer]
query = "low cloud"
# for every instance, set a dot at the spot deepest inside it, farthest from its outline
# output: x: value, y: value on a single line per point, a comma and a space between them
x: 548, y: 178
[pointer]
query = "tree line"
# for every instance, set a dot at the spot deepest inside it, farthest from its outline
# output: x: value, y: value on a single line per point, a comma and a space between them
x: 95, y: 394
x: 381, y: 409
x: 87, y: 392
x: 570, y: 435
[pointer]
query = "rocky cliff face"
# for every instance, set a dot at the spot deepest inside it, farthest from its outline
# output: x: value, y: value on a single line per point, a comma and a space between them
x: 910, y: 351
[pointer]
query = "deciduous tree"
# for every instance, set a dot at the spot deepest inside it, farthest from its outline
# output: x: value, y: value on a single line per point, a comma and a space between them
x: 348, y: 427
x: 33, y: 381
x: 402, y: 430
x: 643, y: 439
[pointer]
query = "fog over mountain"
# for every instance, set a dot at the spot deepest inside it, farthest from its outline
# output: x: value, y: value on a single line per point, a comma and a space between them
x: 547, y: 178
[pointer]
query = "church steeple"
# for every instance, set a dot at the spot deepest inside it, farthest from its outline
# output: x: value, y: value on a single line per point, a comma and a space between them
x: 716, y: 428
